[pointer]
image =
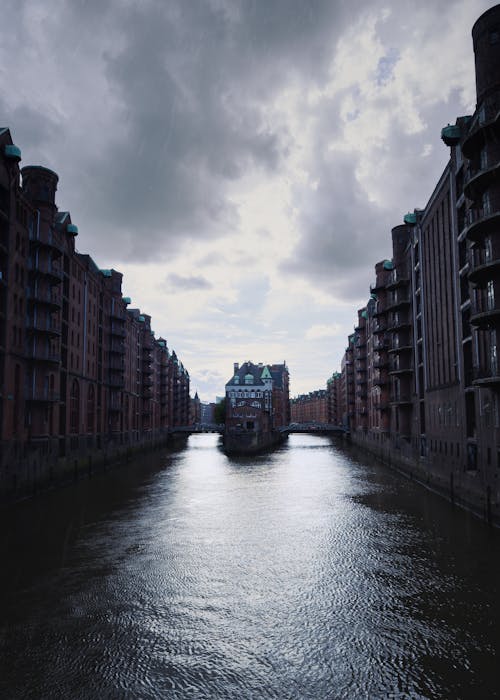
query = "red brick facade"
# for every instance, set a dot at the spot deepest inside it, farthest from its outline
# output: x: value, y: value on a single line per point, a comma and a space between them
x: 81, y: 375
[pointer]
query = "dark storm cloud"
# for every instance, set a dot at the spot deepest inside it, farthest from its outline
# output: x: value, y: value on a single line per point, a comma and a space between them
x: 188, y: 85
x: 150, y: 111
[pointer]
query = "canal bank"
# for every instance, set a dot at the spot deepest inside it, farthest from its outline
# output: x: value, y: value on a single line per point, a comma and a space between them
x: 303, y: 573
x: 33, y: 472
x: 473, y: 490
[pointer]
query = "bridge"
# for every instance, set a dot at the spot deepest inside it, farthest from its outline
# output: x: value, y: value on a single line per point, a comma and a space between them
x: 322, y: 428
x: 199, y: 428
x: 318, y: 428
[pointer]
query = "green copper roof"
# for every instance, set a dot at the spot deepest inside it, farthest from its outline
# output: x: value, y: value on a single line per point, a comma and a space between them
x: 451, y: 134
x: 410, y: 218
x: 106, y: 273
x: 12, y: 151
x: 388, y: 265
x: 374, y: 297
x: 127, y: 300
x: 266, y: 374
x: 364, y: 314
x: 72, y: 229
x: 141, y: 319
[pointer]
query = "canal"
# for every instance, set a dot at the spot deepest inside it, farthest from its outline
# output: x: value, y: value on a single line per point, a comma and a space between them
x: 305, y: 573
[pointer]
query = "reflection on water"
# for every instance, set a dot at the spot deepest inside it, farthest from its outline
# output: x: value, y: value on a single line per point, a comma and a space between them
x: 300, y: 574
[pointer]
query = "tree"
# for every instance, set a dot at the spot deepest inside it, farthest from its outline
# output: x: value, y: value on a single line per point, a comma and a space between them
x: 220, y: 412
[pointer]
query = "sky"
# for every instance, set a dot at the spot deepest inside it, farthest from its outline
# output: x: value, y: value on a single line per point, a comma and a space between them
x: 241, y: 162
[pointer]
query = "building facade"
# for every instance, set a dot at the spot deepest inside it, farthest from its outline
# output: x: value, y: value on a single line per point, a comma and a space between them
x: 82, y: 376
x: 431, y: 327
x: 310, y: 408
x: 257, y: 398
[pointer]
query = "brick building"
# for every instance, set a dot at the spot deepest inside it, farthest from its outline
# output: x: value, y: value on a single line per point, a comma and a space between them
x: 257, y: 398
x: 310, y: 408
x: 82, y: 376
x: 431, y: 325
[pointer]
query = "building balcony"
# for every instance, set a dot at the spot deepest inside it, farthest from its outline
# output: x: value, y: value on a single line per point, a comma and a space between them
x: 381, y: 344
x: 398, y: 322
x: 379, y: 328
x: 117, y: 329
x: 479, y: 222
x: 401, y: 400
x: 377, y: 287
x: 42, y: 354
x: 381, y: 363
x: 382, y: 406
x: 401, y: 349
x: 486, y: 119
x: 117, y: 347
x: 46, y: 297
x: 45, y: 268
x: 402, y: 301
x: 47, y: 240
x: 399, y: 279
x: 485, y: 313
x: 398, y: 370
x: 477, y: 180
x: 41, y: 395
x: 488, y: 375
x: 483, y: 268
x: 380, y: 381
x: 47, y: 325
x: 117, y: 315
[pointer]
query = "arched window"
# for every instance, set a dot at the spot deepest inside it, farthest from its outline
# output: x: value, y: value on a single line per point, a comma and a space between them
x: 90, y: 409
x: 74, y: 407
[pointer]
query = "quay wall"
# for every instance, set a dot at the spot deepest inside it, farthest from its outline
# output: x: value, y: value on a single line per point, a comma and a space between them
x: 448, y: 478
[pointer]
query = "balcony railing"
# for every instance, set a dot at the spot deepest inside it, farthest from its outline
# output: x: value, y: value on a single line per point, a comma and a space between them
x: 485, y: 311
x: 401, y: 399
x: 480, y: 221
x: 476, y: 180
x: 45, y: 267
x: 483, y: 266
x: 488, y: 115
x: 41, y: 394
x: 46, y: 239
x: 487, y: 374
x: 43, y: 296
x: 42, y: 354
x: 48, y: 325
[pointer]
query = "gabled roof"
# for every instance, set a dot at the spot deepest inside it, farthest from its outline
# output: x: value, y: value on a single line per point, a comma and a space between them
x: 248, y: 368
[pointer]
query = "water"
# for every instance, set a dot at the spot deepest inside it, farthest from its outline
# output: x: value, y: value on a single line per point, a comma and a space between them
x: 301, y: 574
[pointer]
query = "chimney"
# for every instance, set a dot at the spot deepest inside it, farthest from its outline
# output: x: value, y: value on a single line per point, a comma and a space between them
x: 236, y: 367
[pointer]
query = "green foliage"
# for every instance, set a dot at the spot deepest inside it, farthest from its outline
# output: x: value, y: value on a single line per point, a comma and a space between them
x: 220, y: 412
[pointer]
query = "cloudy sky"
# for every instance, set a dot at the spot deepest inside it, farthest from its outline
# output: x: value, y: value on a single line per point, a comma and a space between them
x: 240, y: 161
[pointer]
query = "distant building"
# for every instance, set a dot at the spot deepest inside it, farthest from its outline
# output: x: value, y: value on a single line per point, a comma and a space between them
x: 310, y: 408
x: 257, y: 401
